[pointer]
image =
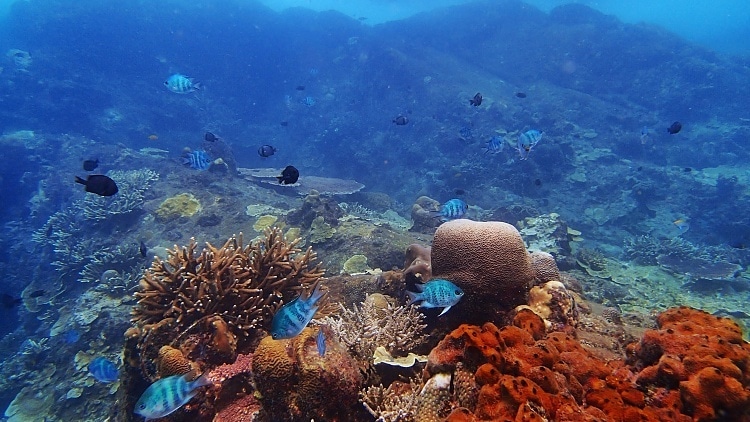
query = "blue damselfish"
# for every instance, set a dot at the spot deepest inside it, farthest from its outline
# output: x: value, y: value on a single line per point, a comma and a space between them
x: 198, y: 159
x: 103, y: 370
x: 437, y: 293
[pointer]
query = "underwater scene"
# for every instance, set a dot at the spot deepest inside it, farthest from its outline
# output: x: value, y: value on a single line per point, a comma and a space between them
x: 237, y: 211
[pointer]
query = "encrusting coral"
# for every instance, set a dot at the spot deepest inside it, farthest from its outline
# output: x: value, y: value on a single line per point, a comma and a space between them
x: 206, y: 303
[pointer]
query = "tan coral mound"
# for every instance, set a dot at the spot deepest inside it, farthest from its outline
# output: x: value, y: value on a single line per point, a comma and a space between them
x: 488, y: 260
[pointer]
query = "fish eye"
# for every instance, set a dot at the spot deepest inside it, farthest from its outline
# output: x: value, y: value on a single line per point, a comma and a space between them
x: 142, y: 406
x: 459, y: 292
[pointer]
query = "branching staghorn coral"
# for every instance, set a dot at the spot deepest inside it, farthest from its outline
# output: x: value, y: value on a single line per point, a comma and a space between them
x: 132, y: 186
x: 241, y: 285
x: 378, y: 323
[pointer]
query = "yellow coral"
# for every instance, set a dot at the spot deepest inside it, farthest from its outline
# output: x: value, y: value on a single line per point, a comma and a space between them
x: 264, y: 222
x: 320, y: 231
x: 182, y: 205
x: 357, y: 264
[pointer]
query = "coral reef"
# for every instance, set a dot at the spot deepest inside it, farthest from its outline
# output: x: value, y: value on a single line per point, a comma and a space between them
x: 209, y: 301
x: 488, y: 260
x: 424, y: 215
x: 264, y: 221
x: 314, y: 207
x: 418, y: 263
x: 545, y: 267
x: 133, y: 185
x: 547, y: 233
x: 554, y: 304
x: 180, y: 205
x: 296, y: 383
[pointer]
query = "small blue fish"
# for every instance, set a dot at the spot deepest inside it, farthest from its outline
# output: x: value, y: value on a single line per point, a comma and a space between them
x: 308, y: 101
x: 167, y: 395
x: 103, y: 370
x: 313, y: 71
x: 495, y: 144
x: 293, y: 317
x: 181, y: 84
x: 437, y: 293
x: 320, y: 341
x: 527, y: 141
x: 197, y: 159
x: 453, y: 209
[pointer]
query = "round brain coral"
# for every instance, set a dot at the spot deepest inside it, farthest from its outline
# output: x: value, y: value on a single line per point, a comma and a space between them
x: 488, y: 260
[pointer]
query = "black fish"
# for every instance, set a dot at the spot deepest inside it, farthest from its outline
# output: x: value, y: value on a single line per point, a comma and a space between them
x: 9, y: 301
x: 266, y: 151
x: 143, y: 249
x: 210, y: 137
x: 538, y: 182
x: 477, y: 100
x: 521, y: 94
x: 284, y: 123
x: 675, y: 128
x: 37, y: 293
x: 401, y: 120
x: 300, y: 88
x: 99, y: 184
x: 687, y: 169
x: 90, y: 165
x: 459, y: 191
x: 289, y: 176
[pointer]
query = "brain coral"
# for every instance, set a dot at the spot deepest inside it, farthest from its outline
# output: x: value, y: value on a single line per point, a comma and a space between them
x: 488, y: 260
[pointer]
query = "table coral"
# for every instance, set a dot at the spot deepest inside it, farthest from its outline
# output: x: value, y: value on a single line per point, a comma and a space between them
x: 488, y: 260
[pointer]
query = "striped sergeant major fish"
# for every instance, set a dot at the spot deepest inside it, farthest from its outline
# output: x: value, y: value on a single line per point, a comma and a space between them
x: 167, y: 395
x: 293, y: 317
x: 181, y: 84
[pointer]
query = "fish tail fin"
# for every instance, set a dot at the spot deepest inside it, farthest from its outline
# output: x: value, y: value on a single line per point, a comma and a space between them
x: 200, y: 381
x: 198, y: 85
x: 317, y: 293
x: 413, y: 297
x: 79, y: 180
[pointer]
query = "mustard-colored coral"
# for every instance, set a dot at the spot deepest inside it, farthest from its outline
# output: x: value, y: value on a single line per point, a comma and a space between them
x: 264, y: 222
x: 320, y: 231
x: 182, y: 205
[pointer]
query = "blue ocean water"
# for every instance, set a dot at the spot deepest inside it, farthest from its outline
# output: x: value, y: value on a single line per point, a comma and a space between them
x: 84, y: 80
